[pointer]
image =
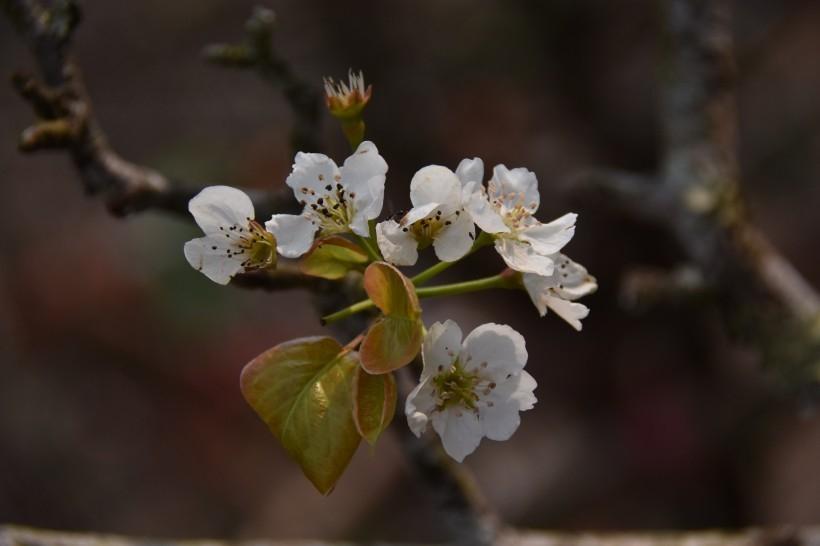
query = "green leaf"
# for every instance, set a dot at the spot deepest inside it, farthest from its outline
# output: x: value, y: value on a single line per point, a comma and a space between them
x: 302, y: 389
x: 395, y: 338
x: 332, y: 257
x: 374, y: 403
x: 391, y: 291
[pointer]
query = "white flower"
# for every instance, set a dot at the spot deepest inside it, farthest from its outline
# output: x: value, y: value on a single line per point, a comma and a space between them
x: 570, y: 281
x: 234, y: 242
x: 336, y: 200
x: 436, y: 218
x: 505, y: 210
x: 471, y: 389
x: 347, y: 99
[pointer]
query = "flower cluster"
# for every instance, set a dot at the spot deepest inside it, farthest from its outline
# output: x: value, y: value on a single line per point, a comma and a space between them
x: 469, y: 388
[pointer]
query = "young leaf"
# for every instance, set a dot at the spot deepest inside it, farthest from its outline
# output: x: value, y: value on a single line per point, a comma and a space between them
x: 332, y: 257
x: 395, y: 338
x: 374, y: 403
x: 391, y: 291
x: 302, y: 389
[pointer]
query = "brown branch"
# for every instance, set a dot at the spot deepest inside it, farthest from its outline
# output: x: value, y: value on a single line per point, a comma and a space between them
x: 697, y: 197
x: 797, y: 536
x: 67, y: 122
x: 256, y: 52
x: 465, y: 509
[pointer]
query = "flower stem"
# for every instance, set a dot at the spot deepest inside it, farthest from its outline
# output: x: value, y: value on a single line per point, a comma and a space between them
x: 483, y: 239
x: 371, y: 250
x: 357, y: 307
x: 496, y: 281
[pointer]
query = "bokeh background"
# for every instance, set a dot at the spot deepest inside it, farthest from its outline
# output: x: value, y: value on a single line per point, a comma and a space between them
x: 119, y: 402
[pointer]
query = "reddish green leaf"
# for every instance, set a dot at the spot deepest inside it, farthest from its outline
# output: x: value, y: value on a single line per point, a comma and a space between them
x: 332, y: 257
x: 395, y: 338
x: 391, y: 291
x: 374, y: 403
x: 303, y: 391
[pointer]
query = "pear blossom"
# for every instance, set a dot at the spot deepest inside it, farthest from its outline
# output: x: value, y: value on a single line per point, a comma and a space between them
x: 437, y: 218
x: 568, y: 282
x: 505, y: 210
x: 471, y: 389
x: 234, y: 242
x: 347, y: 99
x: 335, y: 200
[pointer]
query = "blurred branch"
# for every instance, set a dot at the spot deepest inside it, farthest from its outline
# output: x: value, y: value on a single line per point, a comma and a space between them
x: 256, y: 52
x: 644, y: 287
x: 807, y: 536
x: 67, y: 122
x: 697, y: 194
x: 464, y: 507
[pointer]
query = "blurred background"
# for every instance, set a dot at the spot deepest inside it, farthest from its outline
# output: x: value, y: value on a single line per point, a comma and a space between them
x: 119, y: 402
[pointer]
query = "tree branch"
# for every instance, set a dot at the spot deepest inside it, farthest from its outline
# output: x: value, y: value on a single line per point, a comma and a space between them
x: 256, y: 52
x: 697, y: 193
x: 798, y: 536
x: 66, y: 120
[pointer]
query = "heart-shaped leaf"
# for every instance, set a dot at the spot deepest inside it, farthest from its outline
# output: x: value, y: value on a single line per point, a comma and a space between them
x: 332, y: 257
x: 303, y: 391
x: 391, y: 291
x: 395, y: 338
x: 374, y: 403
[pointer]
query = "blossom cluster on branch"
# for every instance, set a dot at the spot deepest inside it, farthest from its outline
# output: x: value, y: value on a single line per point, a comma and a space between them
x: 319, y: 397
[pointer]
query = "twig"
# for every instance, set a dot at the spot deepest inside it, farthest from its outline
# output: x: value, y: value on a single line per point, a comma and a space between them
x: 68, y: 123
x: 797, y: 536
x: 697, y: 196
x: 67, y: 120
x: 465, y: 509
x: 256, y: 52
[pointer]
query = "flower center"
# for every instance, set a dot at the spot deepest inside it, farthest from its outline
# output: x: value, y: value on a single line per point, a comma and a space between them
x: 332, y: 210
x: 424, y: 231
x: 456, y: 387
x: 512, y: 206
x: 254, y: 244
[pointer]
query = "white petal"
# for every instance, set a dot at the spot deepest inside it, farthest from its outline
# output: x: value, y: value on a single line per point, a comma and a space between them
x: 359, y: 224
x: 460, y: 431
x: 455, y: 240
x: 436, y: 184
x: 500, y: 421
x: 419, y: 405
x: 522, y: 257
x: 494, y: 350
x: 550, y: 238
x: 311, y: 172
x: 521, y: 182
x: 397, y: 246
x: 221, y: 206
x: 440, y: 348
x: 470, y: 170
x: 518, y: 390
x: 214, y: 263
x: 294, y: 234
x: 538, y: 287
x: 570, y: 311
x: 481, y: 211
x: 363, y: 175
x: 572, y: 280
x: 545, y: 293
x: 417, y: 213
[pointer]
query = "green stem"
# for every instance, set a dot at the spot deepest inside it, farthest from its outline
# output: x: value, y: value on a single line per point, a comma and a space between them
x: 371, y: 250
x: 357, y: 307
x: 496, y: 281
x: 484, y: 239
